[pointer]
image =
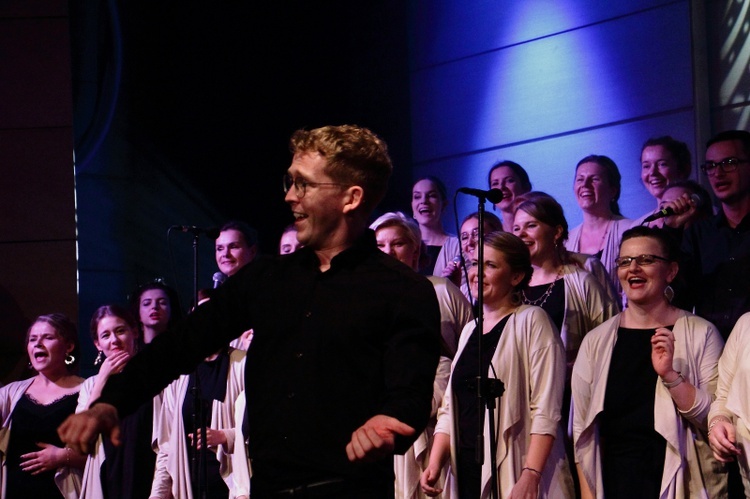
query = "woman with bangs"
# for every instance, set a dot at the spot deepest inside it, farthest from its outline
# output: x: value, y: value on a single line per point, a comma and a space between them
x: 35, y: 463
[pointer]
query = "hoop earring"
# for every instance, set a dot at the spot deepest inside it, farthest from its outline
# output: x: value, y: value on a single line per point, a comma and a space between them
x: 69, y: 359
x: 669, y: 293
x: 99, y: 358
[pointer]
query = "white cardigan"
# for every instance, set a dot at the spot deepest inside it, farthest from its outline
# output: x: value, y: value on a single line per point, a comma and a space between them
x: 67, y: 479
x: 92, y: 486
x: 530, y: 361
x: 172, y: 474
x: 697, y: 347
x: 733, y: 391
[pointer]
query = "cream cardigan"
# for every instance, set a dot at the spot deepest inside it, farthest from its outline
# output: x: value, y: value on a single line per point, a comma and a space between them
x: 68, y: 480
x: 530, y: 361
x: 172, y: 474
x: 687, y: 465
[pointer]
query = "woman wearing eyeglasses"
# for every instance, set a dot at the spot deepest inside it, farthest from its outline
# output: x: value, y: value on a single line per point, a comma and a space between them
x: 642, y: 387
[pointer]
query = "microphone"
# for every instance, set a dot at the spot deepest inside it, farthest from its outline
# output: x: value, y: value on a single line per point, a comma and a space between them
x: 668, y: 211
x: 494, y: 196
x: 219, y: 278
x: 212, y: 232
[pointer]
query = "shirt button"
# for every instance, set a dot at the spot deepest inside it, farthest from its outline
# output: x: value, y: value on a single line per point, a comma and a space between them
x: 298, y: 355
x: 308, y: 314
x: 290, y: 395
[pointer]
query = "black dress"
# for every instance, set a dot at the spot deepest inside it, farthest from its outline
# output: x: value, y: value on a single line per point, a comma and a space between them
x: 632, y: 450
x: 32, y: 422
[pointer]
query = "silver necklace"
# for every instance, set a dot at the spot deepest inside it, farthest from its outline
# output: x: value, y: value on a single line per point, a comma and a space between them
x: 539, y: 302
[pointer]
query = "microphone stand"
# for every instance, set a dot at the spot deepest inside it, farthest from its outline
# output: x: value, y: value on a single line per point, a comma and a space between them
x: 488, y: 390
x: 198, y: 465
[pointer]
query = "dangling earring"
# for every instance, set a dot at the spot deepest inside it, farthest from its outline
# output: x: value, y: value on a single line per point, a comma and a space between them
x: 69, y: 359
x: 669, y: 293
x: 99, y: 358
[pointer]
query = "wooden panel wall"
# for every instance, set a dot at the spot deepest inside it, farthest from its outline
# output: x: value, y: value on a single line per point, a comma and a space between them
x: 37, y: 200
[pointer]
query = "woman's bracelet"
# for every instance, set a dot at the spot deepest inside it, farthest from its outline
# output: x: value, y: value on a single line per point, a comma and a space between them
x: 539, y: 473
x: 68, y: 450
x: 680, y: 378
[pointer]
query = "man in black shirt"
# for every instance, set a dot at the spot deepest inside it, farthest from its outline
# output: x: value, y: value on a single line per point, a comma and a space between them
x: 717, y: 250
x: 346, y: 339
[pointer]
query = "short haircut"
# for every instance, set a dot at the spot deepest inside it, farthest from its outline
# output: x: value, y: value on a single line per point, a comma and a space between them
x: 398, y: 219
x: 678, y: 149
x: 667, y: 243
x: 354, y: 156
x: 250, y: 234
x: 613, y: 177
x: 66, y: 329
x: 517, y: 169
x: 728, y: 135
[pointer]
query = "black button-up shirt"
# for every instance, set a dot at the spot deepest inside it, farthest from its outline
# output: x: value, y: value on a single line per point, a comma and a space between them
x: 716, y: 269
x: 329, y: 351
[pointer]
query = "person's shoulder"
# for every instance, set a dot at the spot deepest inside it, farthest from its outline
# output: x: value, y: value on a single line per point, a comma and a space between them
x: 603, y: 330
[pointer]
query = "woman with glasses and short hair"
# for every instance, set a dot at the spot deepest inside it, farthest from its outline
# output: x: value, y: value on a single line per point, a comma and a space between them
x: 643, y: 384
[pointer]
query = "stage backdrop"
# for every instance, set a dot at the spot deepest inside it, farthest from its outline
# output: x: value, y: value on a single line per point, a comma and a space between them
x: 546, y: 83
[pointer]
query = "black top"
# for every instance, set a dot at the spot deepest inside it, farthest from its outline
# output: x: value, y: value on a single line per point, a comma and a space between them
x: 715, y: 273
x: 128, y: 469
x: 432, y: 252
x: 464, y: 385
x: 33, y: 423
x: 632, y: 450
x: 212, y: 376
x: 330, y: 350
x: 554, y: 305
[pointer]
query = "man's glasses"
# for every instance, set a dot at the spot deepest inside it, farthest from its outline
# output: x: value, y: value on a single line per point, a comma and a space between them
x: 300, y: 185
x: 642, y: 260
x: 727, y: 165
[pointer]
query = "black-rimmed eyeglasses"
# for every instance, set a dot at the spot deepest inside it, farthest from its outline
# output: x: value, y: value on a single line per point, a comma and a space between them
x: 642, y: 260
x: 726, y: 165
x: 301, y: 185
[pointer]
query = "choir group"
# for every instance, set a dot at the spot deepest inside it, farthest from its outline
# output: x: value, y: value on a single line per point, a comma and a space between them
x: 622, y: 345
